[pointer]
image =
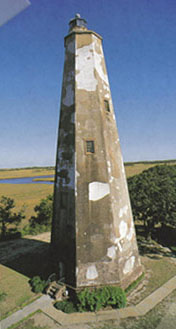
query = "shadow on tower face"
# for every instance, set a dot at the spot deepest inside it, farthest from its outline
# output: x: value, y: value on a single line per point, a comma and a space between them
x: 63, y: 241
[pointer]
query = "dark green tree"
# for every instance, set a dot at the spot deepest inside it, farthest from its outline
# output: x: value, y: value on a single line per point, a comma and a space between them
x: 43, y: 214
x: 153, y: 196
x: 9, y: 220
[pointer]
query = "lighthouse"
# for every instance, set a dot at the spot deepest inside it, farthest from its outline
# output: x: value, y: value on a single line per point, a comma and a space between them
x: 93, y: 237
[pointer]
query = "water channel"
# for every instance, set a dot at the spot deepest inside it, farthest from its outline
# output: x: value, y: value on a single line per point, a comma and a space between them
x: 26, y: 180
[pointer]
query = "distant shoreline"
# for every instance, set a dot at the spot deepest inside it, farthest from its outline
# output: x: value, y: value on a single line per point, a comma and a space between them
x: 126, y: 163
x: 29, y: 168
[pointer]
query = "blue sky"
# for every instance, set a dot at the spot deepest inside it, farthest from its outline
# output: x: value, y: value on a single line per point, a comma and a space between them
x: 139, y: 39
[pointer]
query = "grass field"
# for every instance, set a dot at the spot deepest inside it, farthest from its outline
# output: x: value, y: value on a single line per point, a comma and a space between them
x: 15, y: 294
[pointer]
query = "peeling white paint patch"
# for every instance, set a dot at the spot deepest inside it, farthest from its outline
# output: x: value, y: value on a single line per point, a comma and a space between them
x: 98, y: 190
x: 88, y: 60
x: 123, y: 227
x: 129, y: 265
x: 130, y: 234
x: 76, y: 193
x: 71, y: 46
x: 77, y: 270
x: 115, y: 240
x: 122, y: 165
x: 77, y: 174
x: 123, y: 170
x: 91, y: 273
x: 119, y: 246
x: 109, y: 166
x: 85, y: 78
x: 99, y: 61
x: 106, y: 86
x: 123, y: 211
x: 111, y: 252
x: 69, y: 97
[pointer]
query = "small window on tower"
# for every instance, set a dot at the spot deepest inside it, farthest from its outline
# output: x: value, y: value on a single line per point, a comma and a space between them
x: 106, y: 105
x: 90, y: 148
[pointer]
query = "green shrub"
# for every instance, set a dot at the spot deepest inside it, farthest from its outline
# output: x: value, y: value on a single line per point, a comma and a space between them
x: 28, y: 230
x: 95, y: 299
x: 65, y: 306
x: 37, y: 284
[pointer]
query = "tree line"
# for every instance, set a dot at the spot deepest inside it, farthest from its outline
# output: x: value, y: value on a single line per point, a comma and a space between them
x: 153, y: 197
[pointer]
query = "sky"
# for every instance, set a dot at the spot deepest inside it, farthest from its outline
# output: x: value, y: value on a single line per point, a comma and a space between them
x: 139, y: 41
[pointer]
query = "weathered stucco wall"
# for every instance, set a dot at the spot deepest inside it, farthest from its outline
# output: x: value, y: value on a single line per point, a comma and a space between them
x: 100, y: 245
x: 63, y: 225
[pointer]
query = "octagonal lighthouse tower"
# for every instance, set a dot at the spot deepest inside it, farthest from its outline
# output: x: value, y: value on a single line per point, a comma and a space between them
x: 93, y: 237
